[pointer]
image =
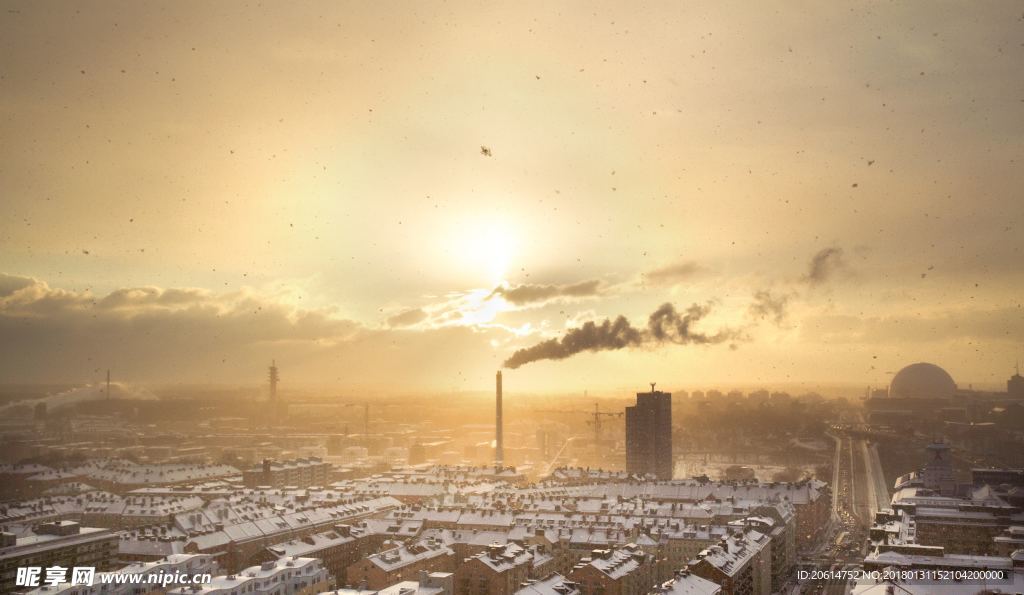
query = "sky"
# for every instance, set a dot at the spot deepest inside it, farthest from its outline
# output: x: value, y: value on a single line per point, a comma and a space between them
x: 402, y: 196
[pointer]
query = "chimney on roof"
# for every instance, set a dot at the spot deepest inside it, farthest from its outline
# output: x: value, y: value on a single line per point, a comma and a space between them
x: 494, y: 550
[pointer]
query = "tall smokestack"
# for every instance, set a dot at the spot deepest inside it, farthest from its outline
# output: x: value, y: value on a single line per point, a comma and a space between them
x: 108, y: 383
x: 499, y: 452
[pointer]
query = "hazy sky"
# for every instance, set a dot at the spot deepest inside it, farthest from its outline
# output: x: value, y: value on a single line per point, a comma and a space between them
x: 190, y: 189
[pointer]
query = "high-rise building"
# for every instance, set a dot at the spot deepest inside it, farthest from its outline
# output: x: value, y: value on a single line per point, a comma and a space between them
x: 649, y: 434
x: 274, y: 378
x: 937, y: 473
x: 1015, y: 385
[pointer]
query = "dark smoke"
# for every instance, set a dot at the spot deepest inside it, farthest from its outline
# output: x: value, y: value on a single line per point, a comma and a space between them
x: 770, y: 306
x: 664, y: 325
x: 607, y: 336
x: 824, y: 265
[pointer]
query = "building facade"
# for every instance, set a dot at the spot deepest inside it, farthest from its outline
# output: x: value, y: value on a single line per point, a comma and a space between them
x: 649, y: 435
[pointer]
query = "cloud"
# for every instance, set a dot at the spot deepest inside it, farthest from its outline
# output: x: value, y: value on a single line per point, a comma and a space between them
x: 824, y: 265
x: 409, y: 317
x: 770, y: 306
x: 991, y: 325
x: 9, y: 284
x: 524, y: 294
x: 186, y: 335
x: 159, y: 332
x: 673, y: 273
x: 664, y: 325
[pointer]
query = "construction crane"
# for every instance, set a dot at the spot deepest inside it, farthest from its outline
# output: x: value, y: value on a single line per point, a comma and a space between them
x: 596, y: 422
x: 597, y: 414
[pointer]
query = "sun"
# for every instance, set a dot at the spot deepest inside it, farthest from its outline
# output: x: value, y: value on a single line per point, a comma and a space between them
x: 497, y: 250
x: 488, y: 250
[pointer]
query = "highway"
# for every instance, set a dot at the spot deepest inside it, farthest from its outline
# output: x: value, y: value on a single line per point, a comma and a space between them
x: 858, y: 492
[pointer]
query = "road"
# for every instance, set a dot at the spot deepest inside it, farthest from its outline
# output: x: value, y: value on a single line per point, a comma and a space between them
x: 858, y: 492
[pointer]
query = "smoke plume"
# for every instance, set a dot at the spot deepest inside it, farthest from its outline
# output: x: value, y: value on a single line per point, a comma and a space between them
x: 770, y: 306
x: 83, y: 394
x: 664, y: 325
x: 825, y: 263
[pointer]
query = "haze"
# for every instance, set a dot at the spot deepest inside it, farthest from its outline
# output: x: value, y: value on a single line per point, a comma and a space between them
x: 402, y: 195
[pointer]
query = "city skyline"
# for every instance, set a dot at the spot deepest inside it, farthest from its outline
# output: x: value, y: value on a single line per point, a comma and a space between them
x: 391, y: 198
x: 534, y: 298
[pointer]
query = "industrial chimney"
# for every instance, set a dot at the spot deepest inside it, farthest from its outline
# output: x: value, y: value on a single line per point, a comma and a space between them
x: 499, y: 452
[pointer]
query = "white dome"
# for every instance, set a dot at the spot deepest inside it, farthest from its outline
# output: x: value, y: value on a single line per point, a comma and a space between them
x: 922, y: 381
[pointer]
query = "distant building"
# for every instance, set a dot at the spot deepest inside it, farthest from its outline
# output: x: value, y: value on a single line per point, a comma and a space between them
x: 553, y: 584
x: 937, y: 474
x: 401, y: 563
x: 337, y: 549
x: 287, y: 576
x: 922, y: 381
x: 649, y: 435
x: 686, y: 583
x: 429, y: 583
x: 190, y: 564
x: 497, y: 571
x: 1015, y: 385
x: 57, y: 543
x: 918, y: 392
x: 1013, y: 477
x: 931, y: 515
x: 626, y: 571
x: 301, y: 473
x: 740, y: 563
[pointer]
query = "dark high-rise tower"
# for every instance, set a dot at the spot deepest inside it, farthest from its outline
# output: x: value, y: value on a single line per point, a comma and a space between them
x: 649, y: 434
x: 273, y: 381
x: 499, y: 447
x: 1015, y: 385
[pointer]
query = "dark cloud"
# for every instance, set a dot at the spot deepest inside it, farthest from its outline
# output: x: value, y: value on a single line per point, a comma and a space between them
x: 408, y: 317
x: 135, y: 297
x: 673, y: 273
x: 154, y: 332
x: 664, y: 325
x: 824, y: 265
x: 528, y: 294
x: 770, y: 306
x: 9, y: 284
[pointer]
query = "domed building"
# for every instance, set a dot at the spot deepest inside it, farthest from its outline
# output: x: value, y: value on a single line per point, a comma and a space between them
x: 920, y: 395
x: 922, y: 381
